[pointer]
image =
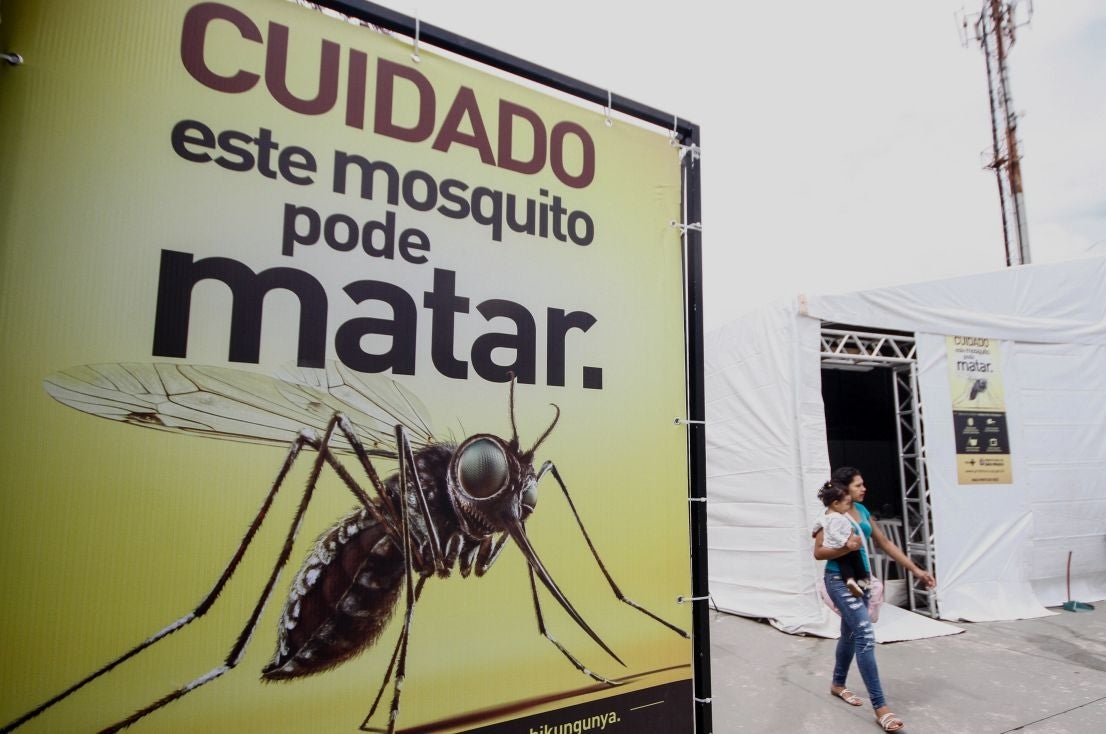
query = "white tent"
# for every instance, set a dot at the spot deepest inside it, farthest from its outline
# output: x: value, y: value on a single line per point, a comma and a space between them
x: 1001, y: 548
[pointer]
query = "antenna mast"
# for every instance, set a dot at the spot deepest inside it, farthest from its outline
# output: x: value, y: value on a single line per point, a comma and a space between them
x: 994, y: 30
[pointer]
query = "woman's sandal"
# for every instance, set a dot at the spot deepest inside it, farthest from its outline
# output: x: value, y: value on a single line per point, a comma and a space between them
x: 890, y: 722
x: 848, y: 697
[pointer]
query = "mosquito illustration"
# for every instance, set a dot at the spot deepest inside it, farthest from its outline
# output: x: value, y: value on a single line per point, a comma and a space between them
x: 976, y: 390
x: 979, y: 386
x: 447, y: 506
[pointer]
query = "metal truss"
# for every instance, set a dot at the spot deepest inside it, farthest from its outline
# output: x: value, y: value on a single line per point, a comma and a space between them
x: 866, y: 349
x: 852, y: 349
x: 916, y: 518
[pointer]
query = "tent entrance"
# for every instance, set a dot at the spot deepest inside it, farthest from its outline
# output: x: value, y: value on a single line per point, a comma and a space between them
x: 874, y: 423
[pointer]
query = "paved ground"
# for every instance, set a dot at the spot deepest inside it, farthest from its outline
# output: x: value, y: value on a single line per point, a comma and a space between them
x: 1038, y: 676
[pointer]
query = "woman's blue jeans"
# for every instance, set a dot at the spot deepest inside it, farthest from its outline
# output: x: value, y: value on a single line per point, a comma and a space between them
x: 857, y: 639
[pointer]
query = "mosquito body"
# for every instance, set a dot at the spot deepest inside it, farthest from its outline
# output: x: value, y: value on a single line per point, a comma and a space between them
x: 978, y: 387
x: 448, y: 507
x: 346, y: 591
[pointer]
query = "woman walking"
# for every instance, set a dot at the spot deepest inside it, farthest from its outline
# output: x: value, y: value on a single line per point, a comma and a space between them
x: 857, y: 636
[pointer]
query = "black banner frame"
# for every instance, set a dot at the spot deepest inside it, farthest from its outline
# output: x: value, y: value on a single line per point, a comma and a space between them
x: 687, y: 134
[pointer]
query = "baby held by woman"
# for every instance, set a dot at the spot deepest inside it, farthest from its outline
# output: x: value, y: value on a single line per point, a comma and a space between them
x: 838, y: 527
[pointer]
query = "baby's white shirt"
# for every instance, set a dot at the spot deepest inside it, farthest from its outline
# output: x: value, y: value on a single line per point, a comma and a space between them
x: 837, y: 529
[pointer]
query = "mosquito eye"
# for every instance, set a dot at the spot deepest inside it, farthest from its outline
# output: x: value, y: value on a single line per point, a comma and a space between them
x: 482, y: 468
x: 530, y: 498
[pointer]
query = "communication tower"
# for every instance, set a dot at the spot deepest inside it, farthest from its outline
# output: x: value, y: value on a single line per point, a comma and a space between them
x: 994, y: 30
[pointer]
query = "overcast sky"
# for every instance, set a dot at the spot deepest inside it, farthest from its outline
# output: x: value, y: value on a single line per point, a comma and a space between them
x: 843, y: 142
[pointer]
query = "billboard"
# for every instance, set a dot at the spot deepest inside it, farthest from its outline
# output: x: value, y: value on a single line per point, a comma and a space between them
x: 979, y: 410
x: 222, y: 224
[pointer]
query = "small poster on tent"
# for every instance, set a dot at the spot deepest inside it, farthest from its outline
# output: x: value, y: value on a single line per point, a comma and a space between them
x: 978, y: 411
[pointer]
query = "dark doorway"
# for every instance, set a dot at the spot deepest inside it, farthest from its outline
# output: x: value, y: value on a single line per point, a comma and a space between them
x: 860, y: 429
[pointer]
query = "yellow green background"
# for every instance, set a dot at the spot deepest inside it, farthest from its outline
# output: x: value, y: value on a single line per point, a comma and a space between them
x: 110, y: 532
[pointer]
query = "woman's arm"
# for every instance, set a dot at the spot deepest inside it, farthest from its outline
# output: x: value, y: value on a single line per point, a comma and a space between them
x: 889, y: 547
x: 823, y: 553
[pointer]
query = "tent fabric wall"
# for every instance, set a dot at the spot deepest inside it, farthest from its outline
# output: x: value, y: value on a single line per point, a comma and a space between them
x: 1004, y: 552
x: 1062, y: 394
x: 983, y: 534
x: 766, y: 458
x: 1058, y: 303
x: 766, y: 449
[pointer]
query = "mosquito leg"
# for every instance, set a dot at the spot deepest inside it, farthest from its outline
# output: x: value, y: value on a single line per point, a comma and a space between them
x: 453, y: 546
x: 408, y: 457
x: 400, y: 653
x: 392, y: 664
x: 208, y: 601
x: 383, y: 518
x: 239, y: 647
x: 401, y: 669
x: 411, y: 592
x: 545, y: 633
x: 485, y: 559
x: 480, y: 556
x: 386, y: 518
x: 383, y: 685
x: 549, y: 466
x: 467, y: 557
x: 370, y: 471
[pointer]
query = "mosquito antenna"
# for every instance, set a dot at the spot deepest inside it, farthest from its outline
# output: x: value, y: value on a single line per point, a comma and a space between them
x: 511, y: 406
x: 547, y: 430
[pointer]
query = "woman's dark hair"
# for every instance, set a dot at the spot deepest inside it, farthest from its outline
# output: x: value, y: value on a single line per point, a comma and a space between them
x: 832, y: 492
x: 844, y: 475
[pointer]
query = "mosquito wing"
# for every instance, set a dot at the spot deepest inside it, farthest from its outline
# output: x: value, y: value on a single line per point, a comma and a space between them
x: 221, y: 402
x: 375, y: 403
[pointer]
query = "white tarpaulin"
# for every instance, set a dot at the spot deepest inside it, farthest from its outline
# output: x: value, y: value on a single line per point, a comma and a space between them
x: 766, y: 448
x: 1001, y: 549
x: 983, y: 534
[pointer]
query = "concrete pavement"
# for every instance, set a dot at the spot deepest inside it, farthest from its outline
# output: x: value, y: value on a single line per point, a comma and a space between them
x: 1037, y: 676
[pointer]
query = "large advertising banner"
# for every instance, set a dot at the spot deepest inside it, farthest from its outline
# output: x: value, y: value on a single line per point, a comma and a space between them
x: 979, y: 410
x: 250, y: 255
